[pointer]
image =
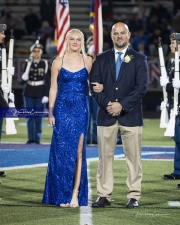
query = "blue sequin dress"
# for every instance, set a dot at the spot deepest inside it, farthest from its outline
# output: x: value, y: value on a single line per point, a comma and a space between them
x: 71, y: 120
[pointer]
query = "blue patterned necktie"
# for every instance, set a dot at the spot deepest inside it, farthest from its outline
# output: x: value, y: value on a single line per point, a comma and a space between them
x: 118, y: 64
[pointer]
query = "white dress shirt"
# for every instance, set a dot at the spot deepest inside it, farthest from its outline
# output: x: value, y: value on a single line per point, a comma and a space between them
x: 122, y: 55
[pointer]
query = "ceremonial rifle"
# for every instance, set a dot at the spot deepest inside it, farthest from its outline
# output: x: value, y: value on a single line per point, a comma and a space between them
x: 10, y: 60
x: 10, y: 65
x: 10, y: 125
x: 4, y: 71
x: 164, y: 112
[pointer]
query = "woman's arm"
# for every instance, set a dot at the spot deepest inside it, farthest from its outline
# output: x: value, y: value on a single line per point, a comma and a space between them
x: 88, y: 63
x: 96, y: 86
x: 53, y: 89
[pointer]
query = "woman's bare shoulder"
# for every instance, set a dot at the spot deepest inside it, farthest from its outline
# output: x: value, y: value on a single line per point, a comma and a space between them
x: 88, y: 59
x: 57, y: 61
x: 88, y: 62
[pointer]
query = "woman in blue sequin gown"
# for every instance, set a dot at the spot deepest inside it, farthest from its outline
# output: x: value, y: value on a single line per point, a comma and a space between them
x: 66, y: 179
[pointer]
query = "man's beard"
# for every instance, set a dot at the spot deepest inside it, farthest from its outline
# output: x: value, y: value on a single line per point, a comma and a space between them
x: 120, y: 46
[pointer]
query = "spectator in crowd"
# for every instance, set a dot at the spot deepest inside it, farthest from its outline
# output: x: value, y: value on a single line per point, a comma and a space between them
x: 107, y: 10
x: 8, y: 19
x: 136, y: 23
x: 106, y: 38
x: 176, y: 21
x: 154, y: 41
x: 118, y: 17
x: 47, y: 11
x: 153, y: 23
x: 19, y: 27
x: 140, y: 42
x: 143, y: 12
x: 176, y: 6
x: 44, y: 32
x: 161, y: 12
x: 50, y: 47
x: 32, y: 22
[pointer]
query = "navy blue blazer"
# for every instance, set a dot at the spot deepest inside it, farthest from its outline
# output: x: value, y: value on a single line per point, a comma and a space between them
x: 128, y: 90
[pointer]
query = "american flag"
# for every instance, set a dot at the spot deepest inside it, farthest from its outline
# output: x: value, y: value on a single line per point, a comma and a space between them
x: 96, y: 25
x: 62, y: 25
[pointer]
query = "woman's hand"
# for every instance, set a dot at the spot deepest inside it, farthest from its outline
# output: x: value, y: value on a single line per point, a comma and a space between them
x: 51, y: 121
x: 97, y: 87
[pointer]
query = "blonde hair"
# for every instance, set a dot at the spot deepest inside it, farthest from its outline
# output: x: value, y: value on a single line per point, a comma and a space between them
x: 82, y: 39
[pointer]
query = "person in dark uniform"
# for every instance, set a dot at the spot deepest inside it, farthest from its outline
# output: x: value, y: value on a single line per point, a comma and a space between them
x: 3, y: 103
x: 167, y: 82
x: 170, y: 84
x: 36, y: 91
x: 92, y: 128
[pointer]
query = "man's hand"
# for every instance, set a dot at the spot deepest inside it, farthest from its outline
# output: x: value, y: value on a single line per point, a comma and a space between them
x: 6, y: 88
x: 114, y: 108
x: 97, y: 87
x: 176, y: 83
x: 11, y: 71
x: 45, y: 99
x: 164, y: 81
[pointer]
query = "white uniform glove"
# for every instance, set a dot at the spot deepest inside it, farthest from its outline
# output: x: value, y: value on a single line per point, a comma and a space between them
x: 5, y: 88
x: 164, y: 81
x: 31, y: 58
x: 172, y: 113
x: 25, y: 77
x: 45, y: 99
x: 11, y: 97
x: 163, y: 105
x: 176, y: 83
x: 11, y: 71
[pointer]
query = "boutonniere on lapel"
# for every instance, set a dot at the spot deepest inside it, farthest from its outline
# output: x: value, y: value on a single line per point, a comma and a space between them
x: 128, y: 58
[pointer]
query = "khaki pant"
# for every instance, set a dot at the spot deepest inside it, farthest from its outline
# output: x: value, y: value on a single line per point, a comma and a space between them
x: 131, y: 139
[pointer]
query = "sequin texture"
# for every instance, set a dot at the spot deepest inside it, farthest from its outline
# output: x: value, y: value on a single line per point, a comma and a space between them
x: 71, y: 120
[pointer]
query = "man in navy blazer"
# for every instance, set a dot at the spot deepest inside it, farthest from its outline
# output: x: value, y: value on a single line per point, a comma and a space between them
x: 120, y: 108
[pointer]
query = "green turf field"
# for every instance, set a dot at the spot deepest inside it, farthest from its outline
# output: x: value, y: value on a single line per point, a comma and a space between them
x: 152, y: 134
x: 21, y: 135
x: 22, y: 189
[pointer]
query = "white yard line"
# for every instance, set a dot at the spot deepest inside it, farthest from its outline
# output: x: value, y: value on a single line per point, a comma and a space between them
x: 23, y: 167
x: 174, y: 203
x: 86, y: 211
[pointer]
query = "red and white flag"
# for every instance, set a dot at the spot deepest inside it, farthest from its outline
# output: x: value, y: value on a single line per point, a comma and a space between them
x: 96, y: 25
x: 62, y: 25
